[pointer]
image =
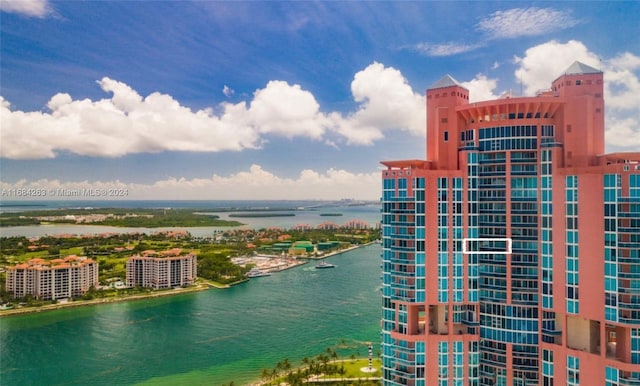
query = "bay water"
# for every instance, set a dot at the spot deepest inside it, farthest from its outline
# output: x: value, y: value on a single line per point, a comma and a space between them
x: 211, y: 337
x: 302, y: 212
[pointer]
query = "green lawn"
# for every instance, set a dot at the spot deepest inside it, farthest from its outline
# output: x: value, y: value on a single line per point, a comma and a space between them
x: 352, y: 369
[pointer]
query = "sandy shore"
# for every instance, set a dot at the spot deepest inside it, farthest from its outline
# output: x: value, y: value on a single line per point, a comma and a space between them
x: 80, y: 303
x: 203, y: 285
x: 341, y: 251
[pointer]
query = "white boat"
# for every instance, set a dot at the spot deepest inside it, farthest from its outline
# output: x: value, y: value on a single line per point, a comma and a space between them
x: 255, y: 272
x: 324, y: 264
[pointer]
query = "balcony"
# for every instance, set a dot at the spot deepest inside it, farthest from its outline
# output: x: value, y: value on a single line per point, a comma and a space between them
x: 402, y: 236
x: 629, y: 380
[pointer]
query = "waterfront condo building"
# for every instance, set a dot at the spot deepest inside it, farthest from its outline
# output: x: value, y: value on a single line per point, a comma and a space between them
x: 168, y: 269
x: 52, y: 279
x: 511, y: 256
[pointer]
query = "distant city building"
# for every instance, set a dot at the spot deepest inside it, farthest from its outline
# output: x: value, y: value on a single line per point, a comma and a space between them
x: 52, y: 279
x: 158, y: 270
x: 511, y: 256
x: 328, y: 225
x: 356, y: 224
x: 302, y: 227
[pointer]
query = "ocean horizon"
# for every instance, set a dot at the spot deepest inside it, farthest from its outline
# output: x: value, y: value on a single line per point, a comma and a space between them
x: 25, y: 205
x: 308, y: 212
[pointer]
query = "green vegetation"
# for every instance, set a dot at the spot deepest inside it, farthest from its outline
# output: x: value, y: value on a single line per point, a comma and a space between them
x: 147, y: 218
x: 214, y: 263
x: 11, y: 221
x: 214, y: 253
x: 324, y: 367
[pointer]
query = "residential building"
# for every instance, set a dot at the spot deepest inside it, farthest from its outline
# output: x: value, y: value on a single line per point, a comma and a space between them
x: 166, y: 269
x: 52, y: 279
x: 511, y: 256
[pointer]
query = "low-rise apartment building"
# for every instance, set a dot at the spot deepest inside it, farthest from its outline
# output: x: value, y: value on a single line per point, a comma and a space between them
x: 158, y: 270
x: 52, y: 279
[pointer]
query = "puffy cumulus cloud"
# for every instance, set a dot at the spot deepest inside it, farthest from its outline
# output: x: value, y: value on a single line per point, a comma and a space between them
x: 532, y: 21
x: 260, y: 184
x: 123, y: 124
x: 32, y: 8
x: 386, y: 101
x: 536, y: 71
x: 621, y: 84
x: 287, y: 110
x: 481, y: 88
x: 129, y: 123
x: 621, y: 90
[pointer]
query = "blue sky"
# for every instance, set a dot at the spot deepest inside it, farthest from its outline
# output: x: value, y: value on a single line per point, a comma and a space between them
x: 274, y: 100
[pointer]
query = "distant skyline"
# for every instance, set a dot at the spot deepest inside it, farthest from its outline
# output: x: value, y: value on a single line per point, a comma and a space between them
x: 274, y: 100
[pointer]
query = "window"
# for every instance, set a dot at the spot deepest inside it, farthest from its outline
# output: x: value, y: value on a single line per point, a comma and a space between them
x: 446, y: 136
x: 578, y: 82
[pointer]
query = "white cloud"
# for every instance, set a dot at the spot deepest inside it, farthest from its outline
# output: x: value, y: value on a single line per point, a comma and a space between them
x: 623, y: 133
x: 259, y: 183
x: 287, y: 111
x: 536, y: 71
x: 481, y: 88
x: 227, y: 91
x: 621, y: 84
x: 532, y: 21
x: 34, y: 8
x: 445, y: 49
x: 386, y: 102
x: 128, y: 123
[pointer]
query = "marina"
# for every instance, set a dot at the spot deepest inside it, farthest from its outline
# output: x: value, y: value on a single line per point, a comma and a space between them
x: 201, y: 338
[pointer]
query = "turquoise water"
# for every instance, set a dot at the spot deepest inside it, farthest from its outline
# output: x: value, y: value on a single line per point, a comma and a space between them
x: 210, y: 337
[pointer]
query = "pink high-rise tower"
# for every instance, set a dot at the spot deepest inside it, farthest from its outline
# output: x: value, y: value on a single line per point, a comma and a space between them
x: 511, y: 256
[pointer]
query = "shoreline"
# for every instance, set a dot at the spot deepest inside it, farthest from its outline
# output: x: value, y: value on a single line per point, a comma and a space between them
x: 94, y: 302
x: 321, y: 378
x: 203, y: 286
x: 335, y: 253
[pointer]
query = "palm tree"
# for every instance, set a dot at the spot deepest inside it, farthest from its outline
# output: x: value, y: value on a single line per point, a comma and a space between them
x: 286, y: 365
x: 265, y: 374
x: 278, y: 367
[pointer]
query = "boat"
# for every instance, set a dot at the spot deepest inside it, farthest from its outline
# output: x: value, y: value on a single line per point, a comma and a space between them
x: 324, y: 264
x: 255, y: 272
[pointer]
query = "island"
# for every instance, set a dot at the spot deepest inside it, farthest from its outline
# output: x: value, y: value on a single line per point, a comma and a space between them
x: 119, y: 217
x: 108, y: 260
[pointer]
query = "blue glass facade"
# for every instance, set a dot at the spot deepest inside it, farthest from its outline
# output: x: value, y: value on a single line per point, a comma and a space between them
x: 495, y: 255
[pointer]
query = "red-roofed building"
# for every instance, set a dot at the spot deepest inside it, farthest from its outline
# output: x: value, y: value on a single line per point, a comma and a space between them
x: 169, y: 271
x: 56, y: 279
